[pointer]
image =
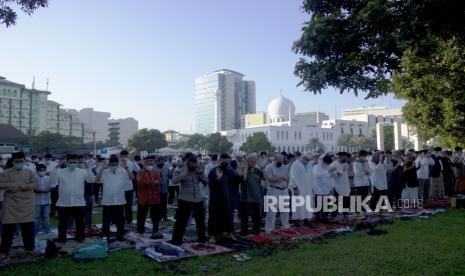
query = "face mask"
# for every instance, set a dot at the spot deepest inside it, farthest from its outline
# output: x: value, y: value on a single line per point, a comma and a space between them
x: 114, y: 168
x: 279, y: 164
x: 41, y: 174
x: 19, y: 166
x: 149, y: 168
x: 72, y: 166
x: 305, y: 161
x: 343, y: 161
x: 160, y: 166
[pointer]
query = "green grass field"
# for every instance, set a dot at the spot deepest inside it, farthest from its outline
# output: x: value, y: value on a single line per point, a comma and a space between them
x: 430, y: 246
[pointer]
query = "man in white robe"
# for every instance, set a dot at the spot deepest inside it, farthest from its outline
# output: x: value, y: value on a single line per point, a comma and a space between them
x: 340, y: 180
x: 301, y: 184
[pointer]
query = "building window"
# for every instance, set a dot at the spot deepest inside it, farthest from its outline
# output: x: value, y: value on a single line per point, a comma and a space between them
x: 287, y: 135
x: 331, y: 136
x: 295, y: 135
x: 300, y: 135
x: 360, y: 131
x: 352, y: 131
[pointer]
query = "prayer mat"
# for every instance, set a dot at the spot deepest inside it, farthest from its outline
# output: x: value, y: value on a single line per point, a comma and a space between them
x: 96, y: 249
x: 93, y: 231
x: 118, y: 245
x: 205, y: 249
x: 21, y: 256
x: 234, y: 244
x: 138, y: 238
x: 189, y: 235
x: 260, y: 240
x: 164, y: 252
x: 287, y: 233
x: 438, y: 203
x: 71, y: 245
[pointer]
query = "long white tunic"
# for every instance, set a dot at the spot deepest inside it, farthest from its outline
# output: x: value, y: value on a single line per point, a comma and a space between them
x: 301, y: 177
x: 340, y: 178
x: 322, y: 180
x: 379, y: 175
x: 362, y: 173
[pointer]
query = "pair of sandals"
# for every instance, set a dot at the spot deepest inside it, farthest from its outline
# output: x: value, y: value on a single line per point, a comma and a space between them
x: 241, y: 257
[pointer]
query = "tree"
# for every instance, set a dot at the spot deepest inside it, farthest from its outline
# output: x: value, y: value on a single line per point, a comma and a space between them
x: 147, y: 140
x: 434, y: 87
x: 346, y: 140
x: 355, y: 45
x: 217, y: 143
x: 257, y: 142
x: 363, y: 142
x: 8, y: 16
x: 196, y: 141
x: 48, y: 142
x: 316, y: 146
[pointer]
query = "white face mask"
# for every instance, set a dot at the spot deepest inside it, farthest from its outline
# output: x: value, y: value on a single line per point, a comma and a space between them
x: 41, y: 173
x: 149, y: 168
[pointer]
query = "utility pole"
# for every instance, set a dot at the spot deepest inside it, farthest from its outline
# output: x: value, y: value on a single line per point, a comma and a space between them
x: 95, y: 144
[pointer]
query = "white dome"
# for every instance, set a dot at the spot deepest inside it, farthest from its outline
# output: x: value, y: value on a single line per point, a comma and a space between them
x: 279, y: 109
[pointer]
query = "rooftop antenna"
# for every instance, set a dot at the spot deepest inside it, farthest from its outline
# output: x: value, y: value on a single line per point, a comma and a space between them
x: 33, y: 82
x: 46, y: 84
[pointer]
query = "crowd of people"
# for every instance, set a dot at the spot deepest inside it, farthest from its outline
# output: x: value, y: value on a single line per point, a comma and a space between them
x: 211, y: 189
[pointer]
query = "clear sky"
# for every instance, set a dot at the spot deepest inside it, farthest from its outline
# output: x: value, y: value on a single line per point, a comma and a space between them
x: 139, y: 58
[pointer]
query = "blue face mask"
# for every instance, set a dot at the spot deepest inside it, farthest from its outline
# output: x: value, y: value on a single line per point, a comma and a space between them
x: 304, y: 161
x: 72, y: 166
x: 113, y: 168
x: 343, y: 161
x: 19, y: 166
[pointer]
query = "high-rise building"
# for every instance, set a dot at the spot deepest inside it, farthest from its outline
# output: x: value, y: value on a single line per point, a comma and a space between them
x: 23, y: 108
x: 221, y: 100
x: 121, y: 130
x: 95, y: 120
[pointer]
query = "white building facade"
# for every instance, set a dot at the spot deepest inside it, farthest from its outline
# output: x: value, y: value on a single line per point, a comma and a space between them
x: 288, y: 133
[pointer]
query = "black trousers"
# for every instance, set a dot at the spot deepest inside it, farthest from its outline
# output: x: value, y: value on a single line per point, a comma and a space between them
x: 155, y: 215
x: 97, y: 188
x: 362, y: 191
x: 27, y: 233
x: 54, y: 199
x: 250, y: 210
x: 135, y: 185
x: 64, y: 215
x: 375, y: 197
x: 128, y: 206
x: 345, y: 203
x: 164, y: 205
x: 173, y: 192
x: 321, y: 215
x: 185, y: 209
x: 115, y: 214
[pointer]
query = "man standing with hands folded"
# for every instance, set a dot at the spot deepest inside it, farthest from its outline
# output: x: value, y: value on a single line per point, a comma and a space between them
x: 18, y: 205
